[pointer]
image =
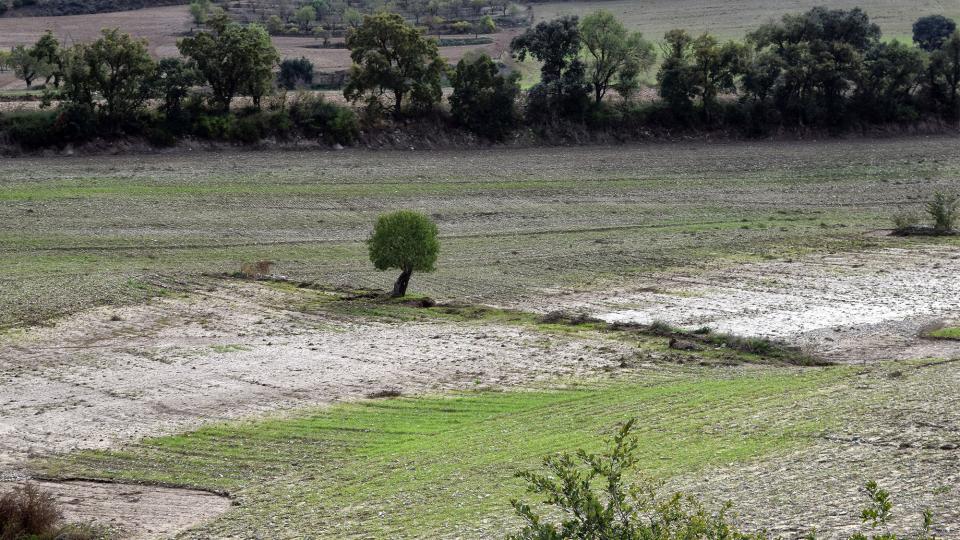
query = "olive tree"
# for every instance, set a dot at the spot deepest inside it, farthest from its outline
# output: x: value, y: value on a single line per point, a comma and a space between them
x: 407, y: 241
x: 391, y: 56
x: 27, y: 65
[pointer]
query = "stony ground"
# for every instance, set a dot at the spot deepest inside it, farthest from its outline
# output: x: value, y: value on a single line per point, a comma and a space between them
x: 853, y: 307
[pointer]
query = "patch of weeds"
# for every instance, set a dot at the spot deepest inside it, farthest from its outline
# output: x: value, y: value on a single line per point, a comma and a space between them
x: 947, y: 332
x: 229, y: 348
x: 29, y: 513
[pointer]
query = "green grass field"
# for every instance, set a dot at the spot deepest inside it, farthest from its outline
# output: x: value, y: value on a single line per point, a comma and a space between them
x: 85, y: 231
x: 436, y: 467
x: 950, y: 332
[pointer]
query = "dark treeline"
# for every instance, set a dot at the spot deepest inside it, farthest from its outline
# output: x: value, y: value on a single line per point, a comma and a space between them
x: 824, y: 69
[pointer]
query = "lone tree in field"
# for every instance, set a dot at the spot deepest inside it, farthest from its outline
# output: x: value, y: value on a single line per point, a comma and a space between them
x: 405, y: 240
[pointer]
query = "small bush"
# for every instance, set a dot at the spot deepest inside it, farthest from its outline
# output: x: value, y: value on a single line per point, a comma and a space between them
x: 943, y: 209
x: 592, y: 497
x: 213, y: 127
x: 30, y: 129
x: 905, y: 220
x: 28, y: 512
x: 316, y: 117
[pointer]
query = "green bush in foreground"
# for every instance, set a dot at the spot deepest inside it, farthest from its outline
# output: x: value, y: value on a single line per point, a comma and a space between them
x: 619, y: 510
x: 405, y: 240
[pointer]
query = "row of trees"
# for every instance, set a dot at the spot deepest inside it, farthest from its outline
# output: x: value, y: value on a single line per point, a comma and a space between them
x: 821, y: 68
x: 116, y: 74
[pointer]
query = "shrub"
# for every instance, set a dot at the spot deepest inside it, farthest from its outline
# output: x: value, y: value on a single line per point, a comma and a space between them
x: 593, y: 499
x: 615, y: 508
x: 483, y: 100
x: 27, y: 512
x: 904, y: 220
x: 317, y: 117
x: 30, y: 129
x: 943, y: 209
x: 407, y: 241
x: 295, y: 73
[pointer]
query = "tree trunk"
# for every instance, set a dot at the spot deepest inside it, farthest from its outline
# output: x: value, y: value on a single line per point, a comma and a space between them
x: 400, y: 287
x: 398, y: 102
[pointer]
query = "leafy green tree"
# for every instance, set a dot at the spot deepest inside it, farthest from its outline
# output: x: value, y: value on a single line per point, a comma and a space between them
x: 945, y: 75
x: 698, y: 68
x: 484, y: 100
x: 822, y: 53
x: 676, y: 77
x: 932, y: 31
x: 887, y: 81
x: 47, y: 52
x: 295, y: 72
x: 715, y: 70
x: 321, y: 8
x: 615, y: 57
x: 556, y: 44
x: 485, y: 25
x: 305, y: 17
x: 352, y: 17
x: 760, y: 76
x: 199, y: 12
x: 406, y: 241
x: 562, y: 91
x: 391, y: 56
x: 274, y: 25
x: 233, y: 59
x: 120, y: 69
x: 593, y: 498
x: 26, y: 66
x: 172, y: 83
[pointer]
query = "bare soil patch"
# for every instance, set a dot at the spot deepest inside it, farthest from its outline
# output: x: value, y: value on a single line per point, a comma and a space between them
x: 862, y: 306
x: 135, y: 512
x: 115, y: 374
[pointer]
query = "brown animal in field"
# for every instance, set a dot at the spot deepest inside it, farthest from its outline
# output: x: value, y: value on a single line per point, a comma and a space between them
x: 256, y: 270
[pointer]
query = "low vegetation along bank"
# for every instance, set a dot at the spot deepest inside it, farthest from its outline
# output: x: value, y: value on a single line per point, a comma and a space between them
x: 825, y: 69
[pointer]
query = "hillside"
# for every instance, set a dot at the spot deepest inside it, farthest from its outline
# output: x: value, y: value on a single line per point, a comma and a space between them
x: 732, y: 19
x: 48, y: 8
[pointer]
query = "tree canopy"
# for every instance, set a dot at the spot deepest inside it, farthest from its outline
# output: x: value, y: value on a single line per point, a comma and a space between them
x: 233, y: 59
x: 615, y: 57
x: 391, y: 56
x: 407, y: 241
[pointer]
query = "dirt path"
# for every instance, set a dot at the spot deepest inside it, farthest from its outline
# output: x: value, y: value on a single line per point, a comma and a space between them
x: 848, y: 307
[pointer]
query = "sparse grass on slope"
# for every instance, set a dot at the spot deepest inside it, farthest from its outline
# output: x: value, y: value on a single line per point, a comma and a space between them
x: 512, y: 221
x: 443, y: 466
